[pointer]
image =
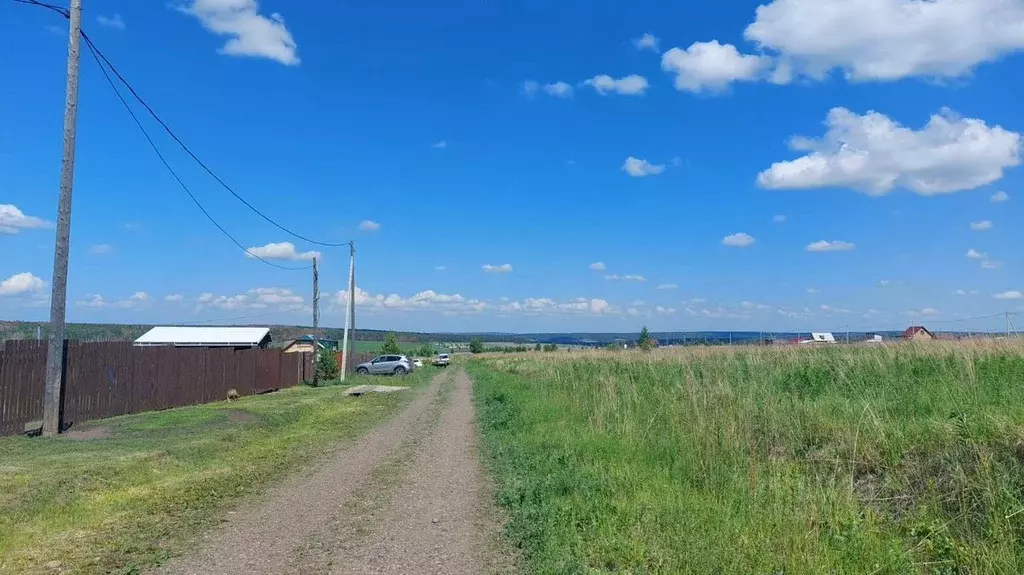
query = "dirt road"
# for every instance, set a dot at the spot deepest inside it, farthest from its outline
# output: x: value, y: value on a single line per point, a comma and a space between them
x: 410, y: 497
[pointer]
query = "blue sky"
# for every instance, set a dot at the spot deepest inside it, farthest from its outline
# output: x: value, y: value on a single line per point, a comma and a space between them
x: 529, y: 166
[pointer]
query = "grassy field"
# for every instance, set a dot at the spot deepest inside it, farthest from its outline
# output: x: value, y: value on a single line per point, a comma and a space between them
x: 144, y: 483
x: 897, y: 459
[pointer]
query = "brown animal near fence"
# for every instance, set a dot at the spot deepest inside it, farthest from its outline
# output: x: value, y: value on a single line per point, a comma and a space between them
x: 105, y: 379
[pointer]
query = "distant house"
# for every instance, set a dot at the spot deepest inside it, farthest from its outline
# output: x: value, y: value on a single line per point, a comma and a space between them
x: 822, y: 337
x: 874, y: 339
x: 310, y: 344
x: 232, y: 337
x: 918, y: 333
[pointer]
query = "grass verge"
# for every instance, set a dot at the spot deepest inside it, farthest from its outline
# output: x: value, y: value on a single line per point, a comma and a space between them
x: 129, y: 500
x: 902, y: 459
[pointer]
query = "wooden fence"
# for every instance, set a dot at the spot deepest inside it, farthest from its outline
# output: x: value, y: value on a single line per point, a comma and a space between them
x: 114, y: 378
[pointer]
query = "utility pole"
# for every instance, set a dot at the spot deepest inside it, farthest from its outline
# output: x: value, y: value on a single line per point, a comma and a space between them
x: 316, y: 297
x: 59, y: 293
x: 350, y: 307
x: 316, y: 323
x: 847, y: 333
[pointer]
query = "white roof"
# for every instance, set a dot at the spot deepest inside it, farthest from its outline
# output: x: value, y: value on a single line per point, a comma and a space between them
x: 204, y: 336
x: 826, y: 336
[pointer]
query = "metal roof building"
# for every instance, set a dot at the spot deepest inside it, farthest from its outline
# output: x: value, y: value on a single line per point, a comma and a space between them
x: 235, y: 337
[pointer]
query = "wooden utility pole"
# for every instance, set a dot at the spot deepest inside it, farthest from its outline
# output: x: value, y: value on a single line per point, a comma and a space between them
x: 350, y: 308
x: 316, y: 297
x: 59, y: 293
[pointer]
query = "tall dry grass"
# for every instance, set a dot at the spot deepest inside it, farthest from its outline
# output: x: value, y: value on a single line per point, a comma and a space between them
x: 891, y: 459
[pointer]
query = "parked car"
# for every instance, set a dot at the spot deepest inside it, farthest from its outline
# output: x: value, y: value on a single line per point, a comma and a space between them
x: 386, y: 365
x: 441, y: 360
x: 417, y: 363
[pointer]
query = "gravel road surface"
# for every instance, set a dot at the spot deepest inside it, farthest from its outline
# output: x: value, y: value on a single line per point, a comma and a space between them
x: 410, y: 497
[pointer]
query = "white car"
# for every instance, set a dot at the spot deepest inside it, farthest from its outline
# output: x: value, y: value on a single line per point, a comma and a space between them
x: 417, y: 363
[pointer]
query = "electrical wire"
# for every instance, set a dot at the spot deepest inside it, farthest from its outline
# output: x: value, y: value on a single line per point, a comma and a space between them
x: 188, y: 151
x: 174, y: 174
x: 100, y: 60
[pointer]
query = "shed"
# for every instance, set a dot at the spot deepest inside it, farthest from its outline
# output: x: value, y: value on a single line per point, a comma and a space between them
x: 820, y: 337
x: 233, y: 337
x: 918, y: 333
x: 310, y: 344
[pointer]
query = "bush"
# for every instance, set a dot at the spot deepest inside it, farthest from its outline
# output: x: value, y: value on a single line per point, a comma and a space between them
x: 390, y: 346
x: 476, y: 345
x: 326, y: 367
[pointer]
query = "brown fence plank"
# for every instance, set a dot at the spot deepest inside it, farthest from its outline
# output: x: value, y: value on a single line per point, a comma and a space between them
x: 105, y: 379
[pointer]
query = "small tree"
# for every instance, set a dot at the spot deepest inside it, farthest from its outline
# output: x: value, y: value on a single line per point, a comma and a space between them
x: 426, y: 350
x: 551, y: 347
x: 326, y: 366
x: 645, y: 342
x: 390, y: 346
x: 536, y: 347
x: 476, y: 345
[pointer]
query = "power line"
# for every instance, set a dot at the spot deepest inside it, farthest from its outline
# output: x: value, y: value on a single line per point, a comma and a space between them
x: 196, y: 158
x: 174, y: 174
x: 100, y: 60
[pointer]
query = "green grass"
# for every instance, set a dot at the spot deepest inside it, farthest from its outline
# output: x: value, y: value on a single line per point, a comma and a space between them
x: 122, y: 503
x: 903, y: 459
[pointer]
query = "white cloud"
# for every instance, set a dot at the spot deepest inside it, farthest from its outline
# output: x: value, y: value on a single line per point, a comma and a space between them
x: 101, y: 249
x: 457, y: 304
x: 830, y: 246
x: 440, y: 268
x: 205, y: 298
x: 174, y: 297
x: 114, y: 21
x: 281, y: 251
x: 812, y: 291
x: 646, y: 42
x: 779, y: 219
x: 497, y: 269
x: 13, y: 220
x: 1009, y: 295
x: 668, y: 286
x: 626, y: 278
x: 249, y: 33
x: 557, y: 89
x: 22, y: 283
x: 991, y: 265
x: 439, y: 145
x: 874, y: 154
x: 140, y: 296
x: 888, y: 39
x: 664, y: 310
x: 739, y: 240
x: 641, y: 168
x: 929, y: 311
x: 884, y: 283
x: 92, y: 301
x: 981, y: 226
x: 368, y: 226
x: 712, y: 67
x: 598, y: 266
x: 632, y: 85
x: 1000, y: 197
x: 275, y: 296
x: 976, y: 255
